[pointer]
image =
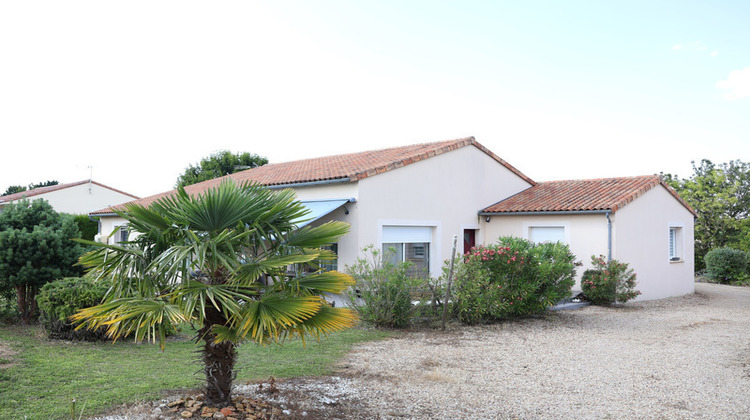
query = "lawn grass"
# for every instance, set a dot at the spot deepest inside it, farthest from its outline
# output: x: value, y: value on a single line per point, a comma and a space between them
x: 48, y: 374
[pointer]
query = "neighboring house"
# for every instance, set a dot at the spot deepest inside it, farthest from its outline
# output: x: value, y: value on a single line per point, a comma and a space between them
x: 414, y: 199
x: 74, y: 198
x: 637, y: 220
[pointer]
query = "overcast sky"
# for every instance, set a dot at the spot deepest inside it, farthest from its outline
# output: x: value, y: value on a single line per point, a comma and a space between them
x: 139, y: 90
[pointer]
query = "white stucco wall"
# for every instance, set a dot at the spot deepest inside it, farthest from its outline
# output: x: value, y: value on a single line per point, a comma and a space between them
x: 82, y: 199
x: 586, y: 234
x: 444, y: 192
x: 107, y: 224
x: 641, y: 239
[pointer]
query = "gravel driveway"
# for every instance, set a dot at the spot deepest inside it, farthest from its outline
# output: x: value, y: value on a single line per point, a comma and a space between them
x: 679, y: 358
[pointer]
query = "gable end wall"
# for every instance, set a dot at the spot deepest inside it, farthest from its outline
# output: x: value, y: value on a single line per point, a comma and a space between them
x: 641, y: 239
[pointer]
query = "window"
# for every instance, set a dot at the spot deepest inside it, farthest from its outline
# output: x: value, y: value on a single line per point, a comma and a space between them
x: 416, y: 253
x: 675, y: 243
x: 332, y: 265
x: 540, y: 234
x: 408, y: 244
x: 121, y: 235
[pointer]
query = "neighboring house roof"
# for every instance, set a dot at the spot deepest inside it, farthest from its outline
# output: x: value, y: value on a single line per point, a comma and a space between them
x: 588, y: 195
x: 44, y: 190
x: 349, y: 167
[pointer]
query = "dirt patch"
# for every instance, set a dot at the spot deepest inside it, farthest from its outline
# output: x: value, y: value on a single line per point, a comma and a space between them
x: 6, y: 356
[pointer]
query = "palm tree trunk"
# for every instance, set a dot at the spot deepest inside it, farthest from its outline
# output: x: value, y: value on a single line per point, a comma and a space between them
x: 218, y: 362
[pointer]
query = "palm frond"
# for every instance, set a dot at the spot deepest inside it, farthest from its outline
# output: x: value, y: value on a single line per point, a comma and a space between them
x: 272, y: 314
x: 327, y: 320
x: 315, y: 237
x: 194, y: 296
x: 143, y: 318
x: 323, y: 282
x: 251, y: 270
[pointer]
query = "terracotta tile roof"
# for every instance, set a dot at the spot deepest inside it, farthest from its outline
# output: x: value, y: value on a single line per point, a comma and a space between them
x: 349, y: 167
x: 580, y: 195
x: 44, y: 190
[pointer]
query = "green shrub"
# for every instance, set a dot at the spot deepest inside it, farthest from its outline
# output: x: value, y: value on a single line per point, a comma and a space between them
x: 726, y: 265
x: 60, y: 299
x: 8, y: 309
x: 383, y: 291
x: 88, y: 228
x: 608, y: 282
x: 512, y: 278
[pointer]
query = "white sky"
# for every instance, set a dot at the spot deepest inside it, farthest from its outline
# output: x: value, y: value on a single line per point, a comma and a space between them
x: 561, y: 90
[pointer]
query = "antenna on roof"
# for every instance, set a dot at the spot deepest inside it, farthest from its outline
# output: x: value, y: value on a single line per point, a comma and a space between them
x: 91, y: 176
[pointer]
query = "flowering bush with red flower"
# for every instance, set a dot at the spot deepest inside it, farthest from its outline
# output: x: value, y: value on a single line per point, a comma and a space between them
x: 608, y: 282
x: 512, y: 278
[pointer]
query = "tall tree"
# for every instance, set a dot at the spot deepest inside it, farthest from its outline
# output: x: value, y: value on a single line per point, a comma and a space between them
x: 720, y: 194
x: 219, y: 164
x: 35, y: 248
x: 20, y: 188
x: 218, y: 260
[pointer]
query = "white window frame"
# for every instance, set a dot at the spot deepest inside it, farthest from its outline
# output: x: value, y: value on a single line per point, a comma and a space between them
x: 434, y: 250
x: 676, y: 242
x: 117, y: 231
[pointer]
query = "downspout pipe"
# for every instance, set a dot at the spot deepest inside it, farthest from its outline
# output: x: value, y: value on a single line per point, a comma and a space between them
x: 609, y: 236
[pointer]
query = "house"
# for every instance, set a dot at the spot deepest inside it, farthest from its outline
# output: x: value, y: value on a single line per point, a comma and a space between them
x: 415, y: 198
x: 637, y: 220
x: 79, y: 197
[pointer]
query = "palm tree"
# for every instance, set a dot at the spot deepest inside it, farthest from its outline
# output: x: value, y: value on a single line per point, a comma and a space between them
x: 218, y: 260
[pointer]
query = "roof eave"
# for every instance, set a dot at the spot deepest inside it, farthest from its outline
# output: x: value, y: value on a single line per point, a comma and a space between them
x: 545, y: 212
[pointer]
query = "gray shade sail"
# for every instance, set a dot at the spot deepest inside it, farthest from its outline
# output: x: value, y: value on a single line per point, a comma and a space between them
x: 320, y: 208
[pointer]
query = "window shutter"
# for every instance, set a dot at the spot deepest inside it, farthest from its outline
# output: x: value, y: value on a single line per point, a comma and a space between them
x: 407, y: 234
x: 540, y: 234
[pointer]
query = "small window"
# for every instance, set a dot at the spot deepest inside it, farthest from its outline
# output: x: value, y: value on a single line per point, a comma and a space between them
x: 541, y: 234
x: 122, y: 234
x: 418, y: 254
x: 332, y: 265
x: 408, y: 244
x: 675, y: 243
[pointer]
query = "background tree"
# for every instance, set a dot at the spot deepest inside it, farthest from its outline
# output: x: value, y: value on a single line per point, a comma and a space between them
x: 219, y: 260
x: 720, y: 194
x: 19, y: 188
x: 14, y: 189
x: 219, y: 164
x: 35, y: 248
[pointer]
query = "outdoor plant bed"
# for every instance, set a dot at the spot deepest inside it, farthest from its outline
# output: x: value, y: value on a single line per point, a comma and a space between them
x: 309, y: 398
